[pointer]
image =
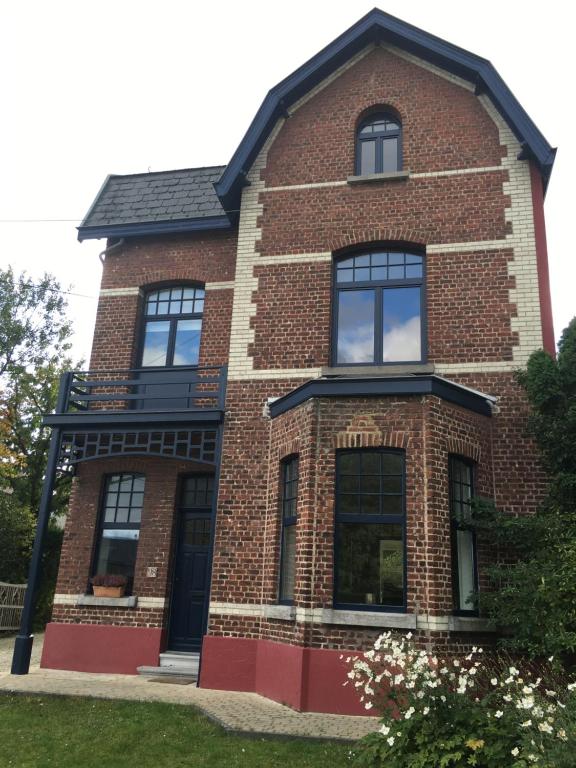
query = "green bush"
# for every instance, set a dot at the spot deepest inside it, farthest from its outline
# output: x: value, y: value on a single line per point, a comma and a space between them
x: 17, y: 525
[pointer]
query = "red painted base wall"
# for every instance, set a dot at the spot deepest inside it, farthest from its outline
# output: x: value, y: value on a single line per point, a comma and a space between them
x: 100, y: 648
x: 306, y: 679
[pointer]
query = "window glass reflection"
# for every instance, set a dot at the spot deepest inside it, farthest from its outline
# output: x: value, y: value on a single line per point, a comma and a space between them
x: 356, y: 327
x: 401, y: 325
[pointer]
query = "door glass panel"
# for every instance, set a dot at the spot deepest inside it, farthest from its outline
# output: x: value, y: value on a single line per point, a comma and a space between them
x: 402, y: 325
x: 155, y: 343
x: 197, y: 532
x: 187, y: 348
x: 356, y: 327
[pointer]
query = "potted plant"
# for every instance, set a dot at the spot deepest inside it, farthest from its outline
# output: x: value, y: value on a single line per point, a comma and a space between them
x: 108, y: 585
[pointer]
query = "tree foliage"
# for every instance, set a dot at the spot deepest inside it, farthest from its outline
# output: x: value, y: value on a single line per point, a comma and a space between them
x: 34, y: 344
x: 33, y: 325
x: 534, y: 597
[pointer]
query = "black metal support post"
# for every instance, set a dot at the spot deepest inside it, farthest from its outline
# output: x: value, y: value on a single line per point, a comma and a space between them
x: 25, y: 638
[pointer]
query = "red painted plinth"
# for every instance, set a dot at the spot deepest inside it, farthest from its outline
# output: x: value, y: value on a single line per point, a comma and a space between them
x: 306, y: 679
x: 100, y: 648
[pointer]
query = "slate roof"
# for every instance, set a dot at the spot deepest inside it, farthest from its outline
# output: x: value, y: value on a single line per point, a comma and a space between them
x: 146, y: 198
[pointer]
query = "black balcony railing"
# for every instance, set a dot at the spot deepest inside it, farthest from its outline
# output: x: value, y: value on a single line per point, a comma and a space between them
x: 143, y: 389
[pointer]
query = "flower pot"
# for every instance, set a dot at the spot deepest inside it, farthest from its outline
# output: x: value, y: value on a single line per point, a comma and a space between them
x: 108, y: 591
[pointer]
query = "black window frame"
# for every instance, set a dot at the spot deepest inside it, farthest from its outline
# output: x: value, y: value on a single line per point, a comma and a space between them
x: 379, y: 286
x: 288, y: 521
x: 375, y: 520
x: 455, y: 526
x: 173, y: 319
x: 379, y: 137
x: 107, y: 525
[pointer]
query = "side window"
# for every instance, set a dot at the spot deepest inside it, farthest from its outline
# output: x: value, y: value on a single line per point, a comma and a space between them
x: 379, y: 145
x: 120, y: 525
x: 464, y: 567
x: 370, y: 524
x: 379, y: 308
x: 172, y: 327
x: 288, y: 510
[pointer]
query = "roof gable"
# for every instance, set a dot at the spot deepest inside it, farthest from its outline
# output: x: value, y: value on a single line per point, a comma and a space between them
x: 376, y: 27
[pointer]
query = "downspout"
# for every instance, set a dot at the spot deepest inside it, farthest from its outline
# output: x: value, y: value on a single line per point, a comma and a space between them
x: 102, y: 255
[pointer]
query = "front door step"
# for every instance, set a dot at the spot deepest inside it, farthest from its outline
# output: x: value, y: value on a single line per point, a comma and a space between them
x: 175, y: 664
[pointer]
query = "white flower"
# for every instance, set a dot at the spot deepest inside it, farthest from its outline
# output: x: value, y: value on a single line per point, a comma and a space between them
x: 545, y: 728
x: 409, y: 712
x: 498, y: 714
x: 526, y: 724
x: 385, y: 730
x: 571, y: 686
x: 494, y: 681
x: 390, y: 740
x: 552, y: 693
x: 515, y: 752
x: 427, y: 709
x: 368, y: 705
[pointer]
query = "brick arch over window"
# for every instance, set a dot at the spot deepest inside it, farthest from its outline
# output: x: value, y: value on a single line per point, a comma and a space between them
x: 467, y: 449
x: 370, y: 237
x: 363, y: 432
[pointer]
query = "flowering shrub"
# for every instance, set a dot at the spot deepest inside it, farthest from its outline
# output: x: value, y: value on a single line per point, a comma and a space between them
x: 457, y: 712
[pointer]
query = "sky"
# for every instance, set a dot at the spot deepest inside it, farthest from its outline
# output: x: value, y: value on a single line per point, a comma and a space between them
x: 90, y: 88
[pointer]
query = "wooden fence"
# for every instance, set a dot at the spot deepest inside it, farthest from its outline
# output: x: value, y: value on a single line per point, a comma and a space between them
x: 11, y: 604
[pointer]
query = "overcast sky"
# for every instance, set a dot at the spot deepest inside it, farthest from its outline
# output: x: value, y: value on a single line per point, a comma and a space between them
x: 91, y: 88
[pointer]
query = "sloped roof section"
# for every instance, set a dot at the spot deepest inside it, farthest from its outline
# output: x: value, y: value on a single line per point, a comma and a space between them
x: 154, y: 203
x: 378, y: 26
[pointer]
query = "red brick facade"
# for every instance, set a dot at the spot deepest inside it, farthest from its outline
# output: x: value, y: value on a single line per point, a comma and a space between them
x: 269, y: 316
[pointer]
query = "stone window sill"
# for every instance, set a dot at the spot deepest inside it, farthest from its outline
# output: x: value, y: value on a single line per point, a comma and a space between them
x: 108, y: 602
x: 376, y: 177
x: 368, y: 618
x: 285, y: 612
x: 380, y: 371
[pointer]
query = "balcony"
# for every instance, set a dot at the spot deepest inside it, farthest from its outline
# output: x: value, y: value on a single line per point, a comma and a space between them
x: 140, y: 395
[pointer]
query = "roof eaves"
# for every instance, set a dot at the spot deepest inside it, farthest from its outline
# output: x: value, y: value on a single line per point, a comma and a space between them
x: 142, y: 229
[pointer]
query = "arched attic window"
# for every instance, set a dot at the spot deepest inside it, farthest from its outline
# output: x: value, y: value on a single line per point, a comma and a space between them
x: 379, y: 144
x: 172, y: 326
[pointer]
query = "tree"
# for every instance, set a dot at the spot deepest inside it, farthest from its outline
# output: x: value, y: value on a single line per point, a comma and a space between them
x: 34, y: 329
x: 534, y: 595
x: 34, y: 342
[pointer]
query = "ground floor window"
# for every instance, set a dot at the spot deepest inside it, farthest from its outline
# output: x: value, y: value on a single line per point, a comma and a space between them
x: 464, y: 568
x: 369, y: 538
x: 288, y: 504
x: 120, y: 525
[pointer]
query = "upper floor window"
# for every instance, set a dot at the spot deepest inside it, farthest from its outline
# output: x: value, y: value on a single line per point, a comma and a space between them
x: 379, y: 144
x: 464, y: 567
x: 378, y: 308
x: 172, y: 327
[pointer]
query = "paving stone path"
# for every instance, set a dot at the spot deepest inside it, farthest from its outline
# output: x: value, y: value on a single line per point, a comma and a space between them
x: 240, y: 712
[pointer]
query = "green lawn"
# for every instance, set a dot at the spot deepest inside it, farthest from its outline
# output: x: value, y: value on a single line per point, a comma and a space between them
x: 59, y: 732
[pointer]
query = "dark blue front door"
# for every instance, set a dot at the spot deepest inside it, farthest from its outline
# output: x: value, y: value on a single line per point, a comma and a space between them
x: 191, y: 586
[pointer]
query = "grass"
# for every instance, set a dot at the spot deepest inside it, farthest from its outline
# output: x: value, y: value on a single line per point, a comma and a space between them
x: 66, y: 732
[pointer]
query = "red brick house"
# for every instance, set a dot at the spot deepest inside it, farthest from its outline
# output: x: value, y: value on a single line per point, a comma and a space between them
x: 302, y: 370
